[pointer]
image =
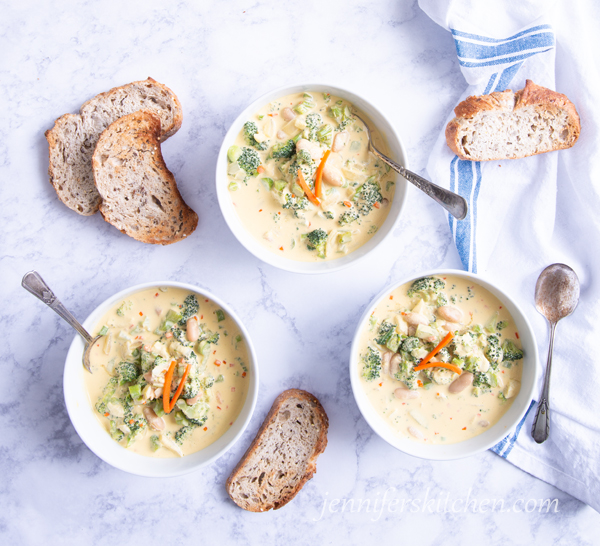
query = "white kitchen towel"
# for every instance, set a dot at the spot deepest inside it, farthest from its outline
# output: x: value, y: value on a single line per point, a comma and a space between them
x: 526, y: 214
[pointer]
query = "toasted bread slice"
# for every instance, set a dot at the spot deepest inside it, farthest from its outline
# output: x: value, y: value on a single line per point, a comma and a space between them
x: 507, y: 125
x: 283, y: 456
x: 139, y: 194
x: 73, y: 138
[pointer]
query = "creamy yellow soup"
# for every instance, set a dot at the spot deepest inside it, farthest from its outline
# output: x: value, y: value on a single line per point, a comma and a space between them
x: 143, y: 337
x: 295, y: 132
x: 467, y: 386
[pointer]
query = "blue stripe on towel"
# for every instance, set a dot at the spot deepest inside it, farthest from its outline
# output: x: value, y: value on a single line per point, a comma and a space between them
x: 510, y: 60
x: 469, y: 50
x: 498, y: 40
x: 504, y: 446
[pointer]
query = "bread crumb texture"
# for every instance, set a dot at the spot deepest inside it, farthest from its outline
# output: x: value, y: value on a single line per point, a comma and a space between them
x: 282, y: 457
x: 507, y: 125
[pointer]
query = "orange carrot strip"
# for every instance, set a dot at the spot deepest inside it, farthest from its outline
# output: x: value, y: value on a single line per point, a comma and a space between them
x: 167, y: 387
x: 440, y: 346
x: 180, y: 388
x: 304, y: 186
x: 319, y: 177
x: 452, y: 367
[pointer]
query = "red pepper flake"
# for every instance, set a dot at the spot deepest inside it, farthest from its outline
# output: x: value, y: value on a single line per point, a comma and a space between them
x: 348, y: 204
x: 243, y: 374
x: 141, y: 314
x: 205, y: 428
x: 156, y: 295
x: 106, y: 414
x: 259, y: 210
x: 201, y: 317
x: 280, y: 248
x: 377, y: 205
x: 131, y: 421
x: 381, y: 384
x: 391, y: 297
x: 419, y: 382
x: 217, y: 362
x: 206, y: 301
x: 215, y: 352
x: 464, y: 428
x: 279, y: 213
x: 232, y: 389
x: 231, y: 423
x: 500, y: 307
x: 517, y: 334
x: 218, y: 408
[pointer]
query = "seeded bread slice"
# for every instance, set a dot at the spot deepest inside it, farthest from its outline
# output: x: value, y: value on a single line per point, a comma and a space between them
x: 139, y: 194
x: 73, y: 138
x: 507, y: 125
x: 283, y: 456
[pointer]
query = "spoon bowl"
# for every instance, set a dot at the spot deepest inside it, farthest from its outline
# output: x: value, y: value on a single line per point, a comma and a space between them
x: 455, y: 204
x: 556, y: 297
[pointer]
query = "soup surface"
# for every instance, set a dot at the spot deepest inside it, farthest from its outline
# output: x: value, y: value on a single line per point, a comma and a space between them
x: 302, y: 180
x: 152, y: 335
x: 440, y: 360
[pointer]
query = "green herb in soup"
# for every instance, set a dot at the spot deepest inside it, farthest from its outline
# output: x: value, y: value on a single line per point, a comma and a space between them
x: 300, y: 168
x: 440, y: 359
x: 168, y: 378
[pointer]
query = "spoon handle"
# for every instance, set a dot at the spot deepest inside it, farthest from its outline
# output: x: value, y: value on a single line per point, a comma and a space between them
x: 455, y: 204
x: 540, y: 429
x: 33, y: 282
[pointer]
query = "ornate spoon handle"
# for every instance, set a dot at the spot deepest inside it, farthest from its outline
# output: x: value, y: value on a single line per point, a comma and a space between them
x: 541, y: 424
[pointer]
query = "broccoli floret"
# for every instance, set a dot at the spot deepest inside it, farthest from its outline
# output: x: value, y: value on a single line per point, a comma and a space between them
x: 410, y: 343
x: 107, y: 394
x: 426, y: 288
x: 250, y: 129
x: 511, y: 353
x: 295, y: 204
x: 444, y: 355
x: 136, y: 424
x: 385, y: 332
x: 190, y: 308
x: 372, y: 364
x: 441, y: 300
x: 348, y: 217
x: 191, y: 387
x: 249, y: 161
x: 367, y: 195
x: 284, y: 150
x: 305, y: 163
x: 313, y: 122
x: 184, y: 433
x: 493, y: 351
x: 481, y: 381
x: 127, y: 372
x: 317, y: 240
x: 405, y: 372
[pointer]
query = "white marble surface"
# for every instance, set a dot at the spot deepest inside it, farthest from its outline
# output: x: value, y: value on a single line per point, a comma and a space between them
x: 217, y: 57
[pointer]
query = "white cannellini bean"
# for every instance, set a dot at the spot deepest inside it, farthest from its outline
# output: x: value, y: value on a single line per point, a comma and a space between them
x: 451, y: 326
x: 192, y: 331
x: 484, y: 423
x: 332, y: 175
x: 416, y: 433
x: 406, y: 394
x: 450, y: 313
x: 385, y: 361
x: 340, y: 140
x: 192, y: 401
x: 288, y: 114
x: 281, y: 135
x: 461, y: 383
x: 313, y: 149
x: 395, y: 364
x: 156, y: 422
x: 414, y: 319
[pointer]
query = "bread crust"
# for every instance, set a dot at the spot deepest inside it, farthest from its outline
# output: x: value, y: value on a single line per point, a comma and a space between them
x: 533, y: 96
x: 311, y: 467
x: 72, y: 178
x: 124, y: 142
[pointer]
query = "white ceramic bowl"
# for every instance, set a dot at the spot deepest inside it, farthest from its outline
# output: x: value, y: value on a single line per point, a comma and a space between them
x: 90, y: 430
x: 484, y: 440
x: 397, y: 153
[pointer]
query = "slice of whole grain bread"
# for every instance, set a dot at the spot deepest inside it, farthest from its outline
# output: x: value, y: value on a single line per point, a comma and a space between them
x: 139, y: 194
x: 73, y: 138
x: 507, y: 125
x: 283, y: 456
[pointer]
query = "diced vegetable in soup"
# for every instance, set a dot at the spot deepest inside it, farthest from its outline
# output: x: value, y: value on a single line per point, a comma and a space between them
x: 170, y: 375
x: 440, y: 360
x: 303, y: 181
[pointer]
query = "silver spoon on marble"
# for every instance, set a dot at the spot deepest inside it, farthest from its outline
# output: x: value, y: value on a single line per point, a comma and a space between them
x: 34, y: 283
x: 556, y: 297
x: 455, y: 204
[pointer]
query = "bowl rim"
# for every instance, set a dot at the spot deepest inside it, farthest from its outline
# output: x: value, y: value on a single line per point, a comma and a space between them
x: 115, y: 454
x: 367, y: 107
x: 476, y: 444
